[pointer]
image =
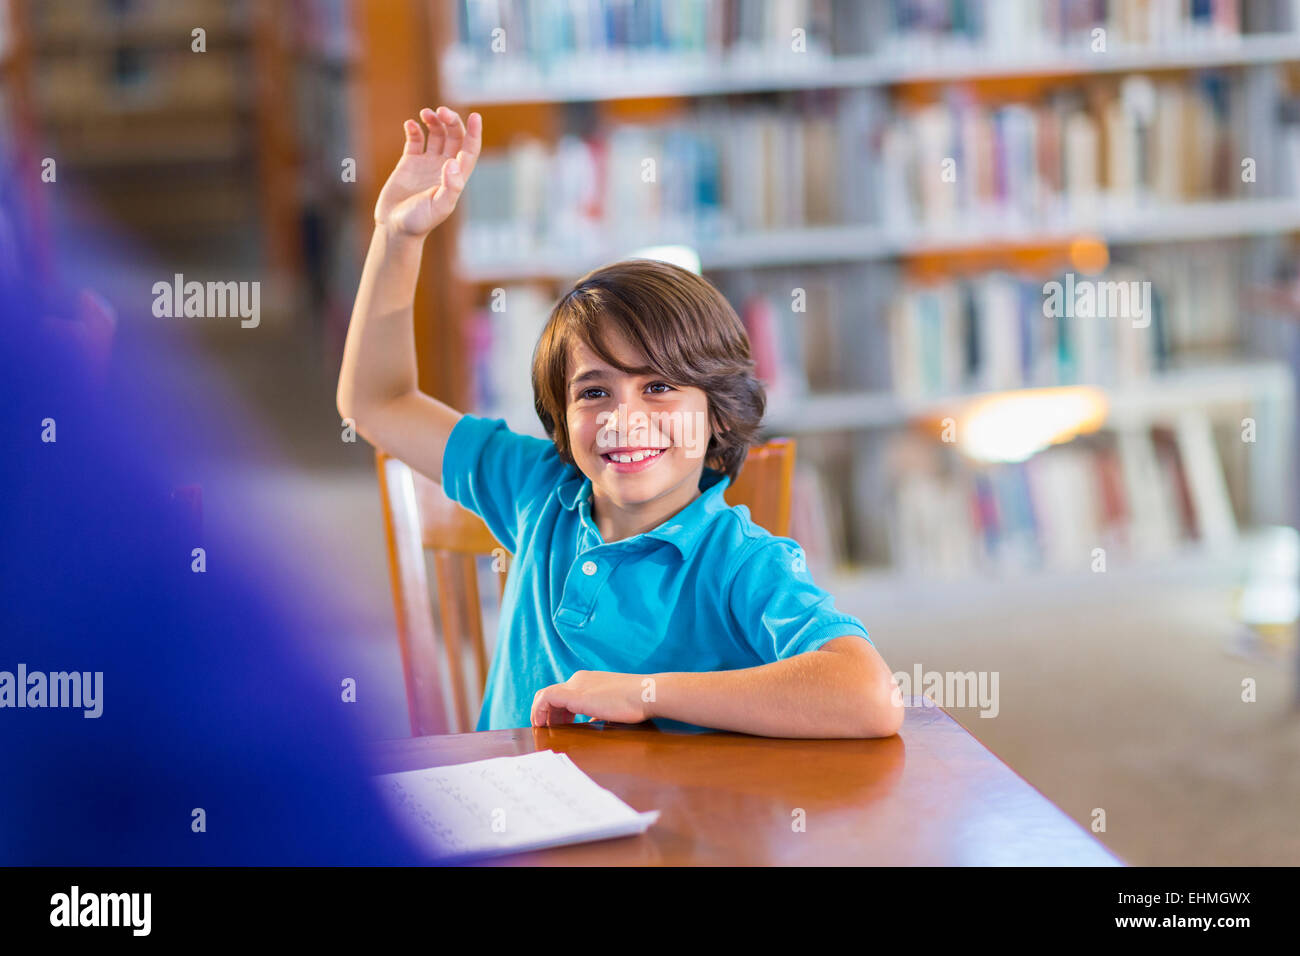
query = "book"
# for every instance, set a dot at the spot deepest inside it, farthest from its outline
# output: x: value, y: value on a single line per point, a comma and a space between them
x: 816, y: 522
x: 1135, y: 493
x: 1205, y: 487
x: 506, y: 805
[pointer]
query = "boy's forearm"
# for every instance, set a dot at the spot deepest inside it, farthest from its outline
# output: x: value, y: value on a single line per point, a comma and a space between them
x: 379, y: 354
x: 815, y: 694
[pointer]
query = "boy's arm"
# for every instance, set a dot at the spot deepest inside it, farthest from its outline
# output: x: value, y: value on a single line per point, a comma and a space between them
x: 378, y: 388
x: 842, y: 689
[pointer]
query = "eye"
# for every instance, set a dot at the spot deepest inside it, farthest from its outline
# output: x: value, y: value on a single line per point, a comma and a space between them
x: 655, y: 385
x: 588, y: 392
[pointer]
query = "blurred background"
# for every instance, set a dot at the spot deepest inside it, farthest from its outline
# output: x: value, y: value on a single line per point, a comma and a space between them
x: 923, y: 210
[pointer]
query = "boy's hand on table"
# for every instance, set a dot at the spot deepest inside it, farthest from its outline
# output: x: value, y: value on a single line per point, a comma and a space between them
x: 601, y: 695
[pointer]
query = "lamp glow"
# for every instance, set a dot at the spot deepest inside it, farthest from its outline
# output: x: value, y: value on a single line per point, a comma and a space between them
x: 1012, y: 426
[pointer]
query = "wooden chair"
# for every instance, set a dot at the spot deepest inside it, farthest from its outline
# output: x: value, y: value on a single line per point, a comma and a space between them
x: 418, y: 516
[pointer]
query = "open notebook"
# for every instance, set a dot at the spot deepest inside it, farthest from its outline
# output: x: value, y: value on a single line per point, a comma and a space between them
x: 506, y: 805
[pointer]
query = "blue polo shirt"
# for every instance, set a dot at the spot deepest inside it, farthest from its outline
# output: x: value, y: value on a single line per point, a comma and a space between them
x: 707, y: 590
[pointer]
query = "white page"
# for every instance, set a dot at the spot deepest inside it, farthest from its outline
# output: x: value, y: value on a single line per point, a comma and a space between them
x: 506, y: 805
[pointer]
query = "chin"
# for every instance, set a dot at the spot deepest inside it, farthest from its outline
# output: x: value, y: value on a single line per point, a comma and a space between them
x: 635, y: 491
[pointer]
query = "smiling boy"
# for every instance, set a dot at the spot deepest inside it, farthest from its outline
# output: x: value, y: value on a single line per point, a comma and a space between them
x: 636, y: 592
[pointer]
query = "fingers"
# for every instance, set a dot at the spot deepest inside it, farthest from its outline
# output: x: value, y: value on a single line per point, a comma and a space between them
x: 473, y: 144
x: 437, y: 130
x: 453, y: 177
x: 447, y: 136
x: 549, y: 709
x: 539, y: 709
x: 443, y: 198
x: 557, y: 716
x: 454, y: 130
x: 414, y: 138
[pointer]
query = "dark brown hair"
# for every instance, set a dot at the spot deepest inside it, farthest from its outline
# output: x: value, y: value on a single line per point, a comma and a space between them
x: 686, y: 330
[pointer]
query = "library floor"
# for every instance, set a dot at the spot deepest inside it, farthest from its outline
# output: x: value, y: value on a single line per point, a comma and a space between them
x: 1123, y: 696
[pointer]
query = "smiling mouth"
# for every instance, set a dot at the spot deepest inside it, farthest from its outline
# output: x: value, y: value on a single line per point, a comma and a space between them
x: 633, y: 456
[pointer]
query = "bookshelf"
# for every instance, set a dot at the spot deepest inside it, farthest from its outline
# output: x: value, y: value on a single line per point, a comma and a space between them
x: 1158, y: 398
x: 1224, y: 219
x: 712, y: 81
x: 694, y: 77
x: 135, y: 117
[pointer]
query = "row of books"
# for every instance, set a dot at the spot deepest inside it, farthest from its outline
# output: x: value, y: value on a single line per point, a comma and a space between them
x: 503, y: 41
x: 1129, y: 142
x: 1203, y: 288
x: 619, y: 185
x: 509, y: 39
x: 998, y: 332
x: 847, y: 158
x: 834, y: 329
x: 501, y: 337
x: 1017, y: 24
x: 1133, y: 494
x: 811, y: 331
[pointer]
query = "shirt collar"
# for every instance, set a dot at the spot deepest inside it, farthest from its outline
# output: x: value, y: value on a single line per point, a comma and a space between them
x: 683, y: 530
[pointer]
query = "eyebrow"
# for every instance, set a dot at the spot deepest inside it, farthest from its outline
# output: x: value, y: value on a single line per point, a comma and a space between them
x: 599, y: 373
x: 587, y: 376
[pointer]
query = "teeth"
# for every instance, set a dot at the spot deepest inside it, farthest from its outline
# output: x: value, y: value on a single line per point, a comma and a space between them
x: 634, y: 456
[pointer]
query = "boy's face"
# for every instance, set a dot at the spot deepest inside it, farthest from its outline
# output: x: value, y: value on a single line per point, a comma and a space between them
x: 639, y: 438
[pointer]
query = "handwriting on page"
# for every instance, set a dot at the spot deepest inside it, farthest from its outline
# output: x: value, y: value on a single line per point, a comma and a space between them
x: 506, y: 804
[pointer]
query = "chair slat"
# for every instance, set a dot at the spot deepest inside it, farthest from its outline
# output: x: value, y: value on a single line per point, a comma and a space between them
x: 426, y: 695
x: 453, y: 597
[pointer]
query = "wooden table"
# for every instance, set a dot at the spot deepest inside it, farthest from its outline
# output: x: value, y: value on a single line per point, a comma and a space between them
x: 931, y: 796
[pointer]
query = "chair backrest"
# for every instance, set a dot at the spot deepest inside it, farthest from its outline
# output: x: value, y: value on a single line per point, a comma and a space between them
x: 419, y: 517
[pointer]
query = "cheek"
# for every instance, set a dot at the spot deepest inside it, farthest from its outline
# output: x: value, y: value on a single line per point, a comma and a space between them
x: 694, y: 414
x: 582, y: 430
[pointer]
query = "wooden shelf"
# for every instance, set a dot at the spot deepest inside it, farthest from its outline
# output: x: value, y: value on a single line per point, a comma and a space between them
x: 1222, y: 219
x: 143, y: 36
x: 1131, y: 403
x: 676, y: 76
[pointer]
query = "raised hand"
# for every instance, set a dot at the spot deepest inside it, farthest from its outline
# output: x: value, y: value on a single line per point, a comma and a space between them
x: 423, y: 188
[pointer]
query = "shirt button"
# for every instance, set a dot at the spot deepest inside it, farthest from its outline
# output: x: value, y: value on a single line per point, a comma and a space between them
x: 589, y: 568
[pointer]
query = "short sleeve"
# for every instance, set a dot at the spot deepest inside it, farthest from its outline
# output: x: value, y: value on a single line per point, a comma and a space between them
x: 496, y: 473
x: 780, y: 611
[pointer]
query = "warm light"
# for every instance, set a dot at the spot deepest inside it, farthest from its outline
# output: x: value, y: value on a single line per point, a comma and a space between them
x: 1089, y: 255
x: 683, y: 256
x: 1011, y: 426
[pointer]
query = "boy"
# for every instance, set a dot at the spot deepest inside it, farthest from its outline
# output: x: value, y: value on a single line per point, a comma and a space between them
x: 636, y: 591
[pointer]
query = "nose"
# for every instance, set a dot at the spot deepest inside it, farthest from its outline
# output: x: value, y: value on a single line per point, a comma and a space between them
x: 630, y: 420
